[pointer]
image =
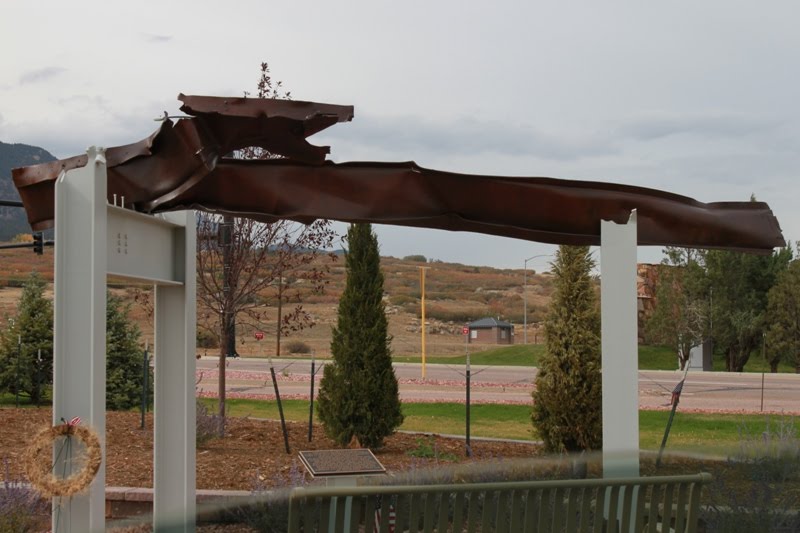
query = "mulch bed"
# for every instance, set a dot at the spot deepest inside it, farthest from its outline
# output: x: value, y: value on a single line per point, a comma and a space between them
x: 251, y: 456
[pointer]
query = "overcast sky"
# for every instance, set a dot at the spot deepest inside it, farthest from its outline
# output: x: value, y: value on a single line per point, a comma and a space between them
x: 696, y: 98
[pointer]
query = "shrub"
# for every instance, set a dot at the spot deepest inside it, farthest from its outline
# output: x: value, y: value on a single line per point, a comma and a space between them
x: 208, y: 426
x: 206, y: 339
x: 463, y: 314
x: 270, y: 510
x: 411, y: 308
x: 21, y: 509
x: 297, y: 347
x: 416, y: 258
x: 427, y: 448
x: 403, y: 299
x: 759, y: 489
x: 22, y: 238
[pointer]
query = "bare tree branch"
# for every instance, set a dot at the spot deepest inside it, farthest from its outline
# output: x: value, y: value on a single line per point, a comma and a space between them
x: 243, y: 266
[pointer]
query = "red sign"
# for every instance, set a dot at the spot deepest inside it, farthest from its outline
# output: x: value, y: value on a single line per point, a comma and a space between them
x: 259, y: 335
x: 465, y: 331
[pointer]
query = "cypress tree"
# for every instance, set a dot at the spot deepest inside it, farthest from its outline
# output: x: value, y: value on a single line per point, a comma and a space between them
x: 359, y: 395
x: 20, y: 367
x: 124, y: 379
x: 567, y: 400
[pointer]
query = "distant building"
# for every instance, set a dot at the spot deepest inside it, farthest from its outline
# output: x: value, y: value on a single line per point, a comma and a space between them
x: 491, y: 331
x: 646, y: 285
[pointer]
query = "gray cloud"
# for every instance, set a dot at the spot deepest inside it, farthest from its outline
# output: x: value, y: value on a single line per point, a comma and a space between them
x: 86, y: 101
x: 87, y: 120
x: 720, y: 125
x: 40, y: 75
x: 156, y: 39
x: 465, y: 136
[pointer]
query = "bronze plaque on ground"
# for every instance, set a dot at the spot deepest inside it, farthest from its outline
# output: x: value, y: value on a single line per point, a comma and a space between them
x: 320, y: 463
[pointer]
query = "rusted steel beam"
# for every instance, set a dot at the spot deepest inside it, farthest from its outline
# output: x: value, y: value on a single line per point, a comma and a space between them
x: 298, y: 110
x: 186, y: 164
x: 535, y: 209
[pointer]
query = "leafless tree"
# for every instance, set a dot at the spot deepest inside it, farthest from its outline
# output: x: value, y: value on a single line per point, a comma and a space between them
x: 681, y: 316
x: 243, y: 266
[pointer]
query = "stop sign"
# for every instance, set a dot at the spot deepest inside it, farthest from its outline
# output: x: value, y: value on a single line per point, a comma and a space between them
x: 465, y: 331
x: 259, y: 335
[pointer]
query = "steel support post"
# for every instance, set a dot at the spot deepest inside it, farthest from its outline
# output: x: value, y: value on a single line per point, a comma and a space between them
x: 174, y: 478
x: 619, y: 345
x: 79, y: 340
x: 311, y: 400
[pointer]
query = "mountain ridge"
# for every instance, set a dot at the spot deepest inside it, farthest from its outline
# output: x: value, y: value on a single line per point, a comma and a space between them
x: 13, y: 155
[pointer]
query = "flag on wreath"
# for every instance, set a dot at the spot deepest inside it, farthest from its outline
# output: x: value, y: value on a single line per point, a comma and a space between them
x: 392, y: 516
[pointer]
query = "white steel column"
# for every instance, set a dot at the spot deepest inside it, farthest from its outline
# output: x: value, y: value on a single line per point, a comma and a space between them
x: 79, y: 340
x: 174, y: 448
x: 620, y: 350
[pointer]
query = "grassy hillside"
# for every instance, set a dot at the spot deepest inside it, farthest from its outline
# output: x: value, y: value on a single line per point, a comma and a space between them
x: 455, y: 294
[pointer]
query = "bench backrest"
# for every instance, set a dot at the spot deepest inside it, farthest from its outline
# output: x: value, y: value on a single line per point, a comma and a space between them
x: 650, y: 504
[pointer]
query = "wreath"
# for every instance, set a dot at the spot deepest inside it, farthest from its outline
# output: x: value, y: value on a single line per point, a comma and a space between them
x: 38, y: 460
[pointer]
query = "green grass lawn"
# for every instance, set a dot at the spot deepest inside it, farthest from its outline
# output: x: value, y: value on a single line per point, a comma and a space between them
x: 717, y: 434
x: 650, y: 358
x: 657, y: 358
x: 7, y: 399
x: 710, y: 433
x: 756, y: 363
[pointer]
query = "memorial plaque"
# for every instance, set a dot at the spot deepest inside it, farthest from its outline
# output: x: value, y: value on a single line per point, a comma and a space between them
x: 322, y: 463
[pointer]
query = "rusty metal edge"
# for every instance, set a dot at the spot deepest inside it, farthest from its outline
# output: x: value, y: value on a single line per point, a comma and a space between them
x: 255, y: 107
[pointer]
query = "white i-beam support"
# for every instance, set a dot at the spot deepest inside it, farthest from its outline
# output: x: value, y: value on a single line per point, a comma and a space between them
x: 93, y: 240
x: 79, y: 336
x: 620, y: 362
x: 174, y: 461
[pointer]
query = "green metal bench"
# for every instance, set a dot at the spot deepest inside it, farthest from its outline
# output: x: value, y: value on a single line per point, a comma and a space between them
x: 648, y: 504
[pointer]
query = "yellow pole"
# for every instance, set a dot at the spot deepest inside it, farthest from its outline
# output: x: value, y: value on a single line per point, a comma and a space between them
x: 422, y: 293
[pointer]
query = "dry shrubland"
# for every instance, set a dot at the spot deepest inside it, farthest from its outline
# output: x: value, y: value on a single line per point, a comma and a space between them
x: 454, y: 294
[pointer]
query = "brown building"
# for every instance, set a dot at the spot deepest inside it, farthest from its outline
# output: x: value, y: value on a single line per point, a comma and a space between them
x: 646, y: 284
x: 491, y: 331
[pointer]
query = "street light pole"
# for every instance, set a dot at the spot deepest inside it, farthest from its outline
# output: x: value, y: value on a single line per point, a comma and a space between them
x: 19, y: 355
x: 525, y: 296
x: 422, y: 270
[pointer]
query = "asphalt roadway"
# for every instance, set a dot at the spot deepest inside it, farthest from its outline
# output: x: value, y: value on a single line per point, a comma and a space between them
x: 703, y: 391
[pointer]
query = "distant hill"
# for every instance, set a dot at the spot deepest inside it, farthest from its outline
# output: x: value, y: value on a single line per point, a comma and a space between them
x: 455, y: 294
x: 12, y: 219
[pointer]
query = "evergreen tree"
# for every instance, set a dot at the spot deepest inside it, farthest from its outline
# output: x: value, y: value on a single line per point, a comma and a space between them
x: 359, y: 395
x: 124, y: 355
x: 32, y: 330
x: 740, y: 284
x: 567, y: 400
x: 783, y: 315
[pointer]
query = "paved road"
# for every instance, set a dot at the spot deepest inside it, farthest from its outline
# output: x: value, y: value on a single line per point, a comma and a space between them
x: 723, y: 391
x: 713, y: 391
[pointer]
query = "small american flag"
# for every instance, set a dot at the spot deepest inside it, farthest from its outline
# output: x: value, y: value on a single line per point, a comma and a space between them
x: 75, y: 421
x: 392, y: 517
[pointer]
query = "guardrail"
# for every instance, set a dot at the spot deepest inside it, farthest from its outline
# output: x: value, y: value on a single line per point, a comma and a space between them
x: 666, y: 503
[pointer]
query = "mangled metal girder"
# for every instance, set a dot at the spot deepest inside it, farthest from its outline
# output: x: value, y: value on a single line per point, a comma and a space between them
x: 187, y: 165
